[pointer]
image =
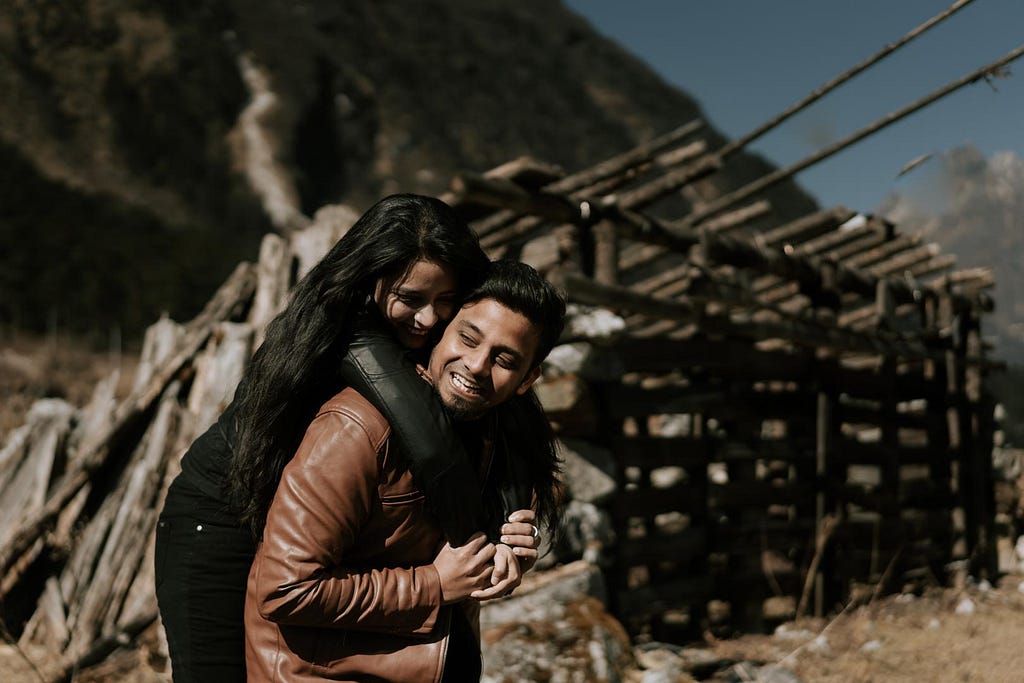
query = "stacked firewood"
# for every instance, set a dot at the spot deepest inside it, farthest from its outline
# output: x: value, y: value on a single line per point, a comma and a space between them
x: 80, y: 489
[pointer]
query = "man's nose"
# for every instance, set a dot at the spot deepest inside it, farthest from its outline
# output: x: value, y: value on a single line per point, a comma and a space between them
x: 476, y: 362
x: 426, y: 317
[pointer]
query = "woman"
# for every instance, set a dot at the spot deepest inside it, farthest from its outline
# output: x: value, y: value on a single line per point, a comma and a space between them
x: 400, y: 270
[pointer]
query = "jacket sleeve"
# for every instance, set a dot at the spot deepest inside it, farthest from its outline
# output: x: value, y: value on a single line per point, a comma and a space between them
x: 378, y: 368
x: 325, y: 496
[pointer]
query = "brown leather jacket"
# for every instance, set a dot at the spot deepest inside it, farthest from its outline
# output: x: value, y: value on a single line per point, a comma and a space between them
x: 343, y: 588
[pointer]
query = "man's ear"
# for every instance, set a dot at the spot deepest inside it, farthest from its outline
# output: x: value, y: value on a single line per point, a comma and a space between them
x: 528, y: 381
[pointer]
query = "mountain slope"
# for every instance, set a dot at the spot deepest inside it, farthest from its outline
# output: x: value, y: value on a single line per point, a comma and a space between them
x: 125, y: 136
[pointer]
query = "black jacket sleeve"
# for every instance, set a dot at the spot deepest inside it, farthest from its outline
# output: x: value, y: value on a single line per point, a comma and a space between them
x: 379, y: 368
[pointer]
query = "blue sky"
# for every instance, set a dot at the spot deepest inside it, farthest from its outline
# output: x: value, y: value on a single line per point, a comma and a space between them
x: 747, y: 60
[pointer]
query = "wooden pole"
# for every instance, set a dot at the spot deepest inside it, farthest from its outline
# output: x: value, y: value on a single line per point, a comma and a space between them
x: 781, y: 174
x: 820, y: 92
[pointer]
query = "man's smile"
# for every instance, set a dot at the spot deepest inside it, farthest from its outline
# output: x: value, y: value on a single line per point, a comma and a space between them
x: 464, y: 384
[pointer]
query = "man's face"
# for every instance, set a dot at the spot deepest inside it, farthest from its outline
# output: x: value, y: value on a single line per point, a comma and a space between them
x: 484, y: 358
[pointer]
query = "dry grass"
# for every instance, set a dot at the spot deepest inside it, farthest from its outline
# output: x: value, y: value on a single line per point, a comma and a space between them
x: 908, y: 639
x: 36, y: 367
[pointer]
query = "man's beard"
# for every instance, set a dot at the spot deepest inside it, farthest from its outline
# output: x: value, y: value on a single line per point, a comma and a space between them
x: 458, y: 409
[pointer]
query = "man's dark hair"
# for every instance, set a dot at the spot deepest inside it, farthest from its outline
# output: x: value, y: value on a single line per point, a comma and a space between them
x: 519, y: 287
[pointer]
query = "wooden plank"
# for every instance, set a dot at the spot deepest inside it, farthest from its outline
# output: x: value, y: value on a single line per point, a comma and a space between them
x: 757, y: 493
x: 652, y: 451
x: 656, y: 548
x: 852, y: 452
x: 648, y: 502
x: 658, y: 597
x: 630, y: 400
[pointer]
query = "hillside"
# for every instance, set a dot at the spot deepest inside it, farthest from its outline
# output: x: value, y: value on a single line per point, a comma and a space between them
x: 124, y: 144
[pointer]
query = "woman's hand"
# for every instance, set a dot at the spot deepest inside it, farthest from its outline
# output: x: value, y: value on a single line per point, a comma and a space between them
x: 465, y: 569
x: 506, y: 576
x: 521, y: 534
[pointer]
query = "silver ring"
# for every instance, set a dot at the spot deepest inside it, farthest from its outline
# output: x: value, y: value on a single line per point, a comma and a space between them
x: 534, y: 531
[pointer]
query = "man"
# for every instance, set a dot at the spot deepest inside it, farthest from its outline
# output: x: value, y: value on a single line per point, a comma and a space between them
x: 353, y: 581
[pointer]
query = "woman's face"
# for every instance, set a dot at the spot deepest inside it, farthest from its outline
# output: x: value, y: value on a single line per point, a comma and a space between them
x: 415, y: 301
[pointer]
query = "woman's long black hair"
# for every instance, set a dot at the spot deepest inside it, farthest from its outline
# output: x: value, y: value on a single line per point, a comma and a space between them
x: 295, y: 369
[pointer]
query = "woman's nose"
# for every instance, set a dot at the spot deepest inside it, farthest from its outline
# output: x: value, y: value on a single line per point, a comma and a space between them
x: 426, y: 317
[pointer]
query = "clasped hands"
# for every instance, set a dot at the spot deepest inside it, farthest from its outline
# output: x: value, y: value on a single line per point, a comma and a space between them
x: 483, y: 570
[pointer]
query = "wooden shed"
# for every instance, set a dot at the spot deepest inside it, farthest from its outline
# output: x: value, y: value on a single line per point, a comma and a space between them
x: 793, y: 408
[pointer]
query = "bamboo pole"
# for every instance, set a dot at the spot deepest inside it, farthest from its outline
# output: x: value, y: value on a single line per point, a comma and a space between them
x: 779, y: 175
x: 820, y: 92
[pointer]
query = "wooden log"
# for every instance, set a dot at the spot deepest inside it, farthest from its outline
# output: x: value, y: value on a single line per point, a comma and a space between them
x: 736, y: 218
x: 125, y: 529
x: 866, y: 259
x: 807, y: 227
x: 904, y: 260
x: 99, y: 649
x: 669, y: 182
x: 606, y: 253
x: 308, y: 246
x: 273, y: 282
x: 773, y: 288
x: 32, y: 457
x: 600, y: 172
x: 97, y: 416
x: 235, y: 292
x: 160, y: 341
x: 503, y: 193
x: 494, y: 232
x: 47, y: 626
x: 219, y: 368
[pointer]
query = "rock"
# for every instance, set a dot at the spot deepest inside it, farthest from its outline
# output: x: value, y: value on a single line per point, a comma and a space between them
x: 568, y: 402
x: 984, y: 586
x: 701, y: 663
x: 871, y: 646
x: 588, y: 470
x: 584, y: 644
x: 585, y: 360
x: 543, y: 596
x: 562, y: 394
x: 934, y: 624
x: 966, y: 607
x: 788, y: 633
x: 769, y: 673
x: 592, y: 323
x: 819, y: 645
x: 585, y: 533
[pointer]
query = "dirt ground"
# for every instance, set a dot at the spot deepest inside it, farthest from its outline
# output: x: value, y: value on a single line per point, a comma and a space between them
x: 971, y: 634
x: 932, y: 638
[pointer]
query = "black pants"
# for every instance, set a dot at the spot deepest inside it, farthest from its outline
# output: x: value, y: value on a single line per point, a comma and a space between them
x: 201, y: 573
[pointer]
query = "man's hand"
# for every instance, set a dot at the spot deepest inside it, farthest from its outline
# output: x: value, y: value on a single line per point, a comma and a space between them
x: 465, y: 569
x: 521, y: 534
